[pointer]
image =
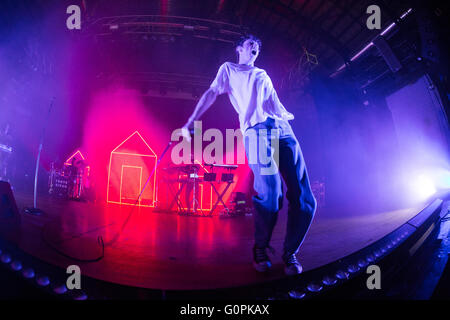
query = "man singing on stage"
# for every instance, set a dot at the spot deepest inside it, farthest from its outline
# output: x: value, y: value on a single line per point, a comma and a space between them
x: 260, y: 111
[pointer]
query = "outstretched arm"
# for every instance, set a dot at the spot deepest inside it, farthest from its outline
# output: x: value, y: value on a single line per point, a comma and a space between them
x: 218, y: 86
x: 206, y: 100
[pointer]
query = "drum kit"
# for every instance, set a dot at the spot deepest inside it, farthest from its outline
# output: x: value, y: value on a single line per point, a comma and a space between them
x: 68, y: 181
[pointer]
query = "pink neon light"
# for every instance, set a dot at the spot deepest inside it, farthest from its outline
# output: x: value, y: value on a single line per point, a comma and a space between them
x: 131, y: 154
x: 136, y: 132
x: 135, y: 154
x: 121, y: 180
x: 70, y: 158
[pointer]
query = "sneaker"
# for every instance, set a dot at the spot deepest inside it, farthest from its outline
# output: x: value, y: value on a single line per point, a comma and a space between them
x: 261, y: 260
x: 292, y: 267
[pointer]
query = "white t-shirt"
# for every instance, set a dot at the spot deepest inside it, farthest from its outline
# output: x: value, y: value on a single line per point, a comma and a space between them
x: 251, y: 93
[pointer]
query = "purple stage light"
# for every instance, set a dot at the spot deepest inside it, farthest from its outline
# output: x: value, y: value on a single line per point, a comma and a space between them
x: 342, y: 275
x: 362, y: 263
x: 422, y: 187
x: 81, y: 296
x: 16, y: 265
x: 314, y: 287
x: 6, y: 258
x: 329, y: 281
x: 353, y: 268
x: 294, y: 294
x: 28, y: 273
x: 43, y: 281
x: 60, y: 289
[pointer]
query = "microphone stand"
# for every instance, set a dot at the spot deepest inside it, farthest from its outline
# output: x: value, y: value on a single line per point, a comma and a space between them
x: 35, y: 210
x: 194, y: 177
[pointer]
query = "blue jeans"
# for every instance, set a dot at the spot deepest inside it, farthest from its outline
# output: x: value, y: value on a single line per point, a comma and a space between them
x: 277, y: 136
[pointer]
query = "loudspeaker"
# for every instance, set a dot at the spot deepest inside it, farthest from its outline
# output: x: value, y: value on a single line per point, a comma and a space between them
x: 387, y: 54
x: 9, y: 214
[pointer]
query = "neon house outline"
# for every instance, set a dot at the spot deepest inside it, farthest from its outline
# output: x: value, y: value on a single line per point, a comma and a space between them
x: 68, y: 162
x: 115, y: 152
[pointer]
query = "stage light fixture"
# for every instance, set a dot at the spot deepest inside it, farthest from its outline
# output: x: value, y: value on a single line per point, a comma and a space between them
x: 297, y: 295
x: 385, y: 31
x: 60, y: 289
x: 314, y: 287
x: 329, y: 281
x: 6, y: 258
x: 43, y: 281
x: 16, y: 265
x: 422, y: 187
x: 81, y: 296
x: 353, y: 268
x: 362, y: 263
x: 342, y: 275
x: 28, y: 273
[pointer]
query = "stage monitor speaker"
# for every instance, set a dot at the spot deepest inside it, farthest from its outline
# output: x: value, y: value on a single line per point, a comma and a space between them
x: 9, y: 214
x: 209, y: 176
x: 387, y: 54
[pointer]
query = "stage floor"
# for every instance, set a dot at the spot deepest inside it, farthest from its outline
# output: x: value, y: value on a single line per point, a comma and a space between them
x: 172, y: 252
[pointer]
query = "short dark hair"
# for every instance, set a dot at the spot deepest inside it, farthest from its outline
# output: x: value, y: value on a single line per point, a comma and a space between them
x: 246, y: 37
